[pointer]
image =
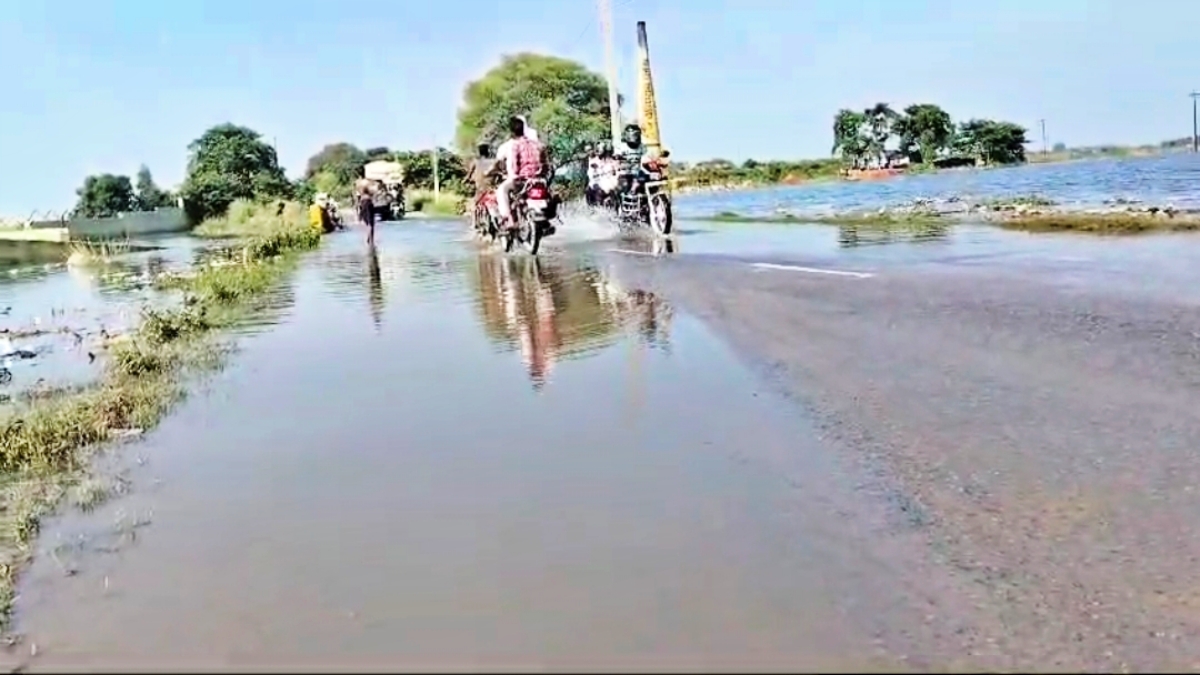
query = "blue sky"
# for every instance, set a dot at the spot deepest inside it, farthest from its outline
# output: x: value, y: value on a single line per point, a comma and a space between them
x: 94, y: 86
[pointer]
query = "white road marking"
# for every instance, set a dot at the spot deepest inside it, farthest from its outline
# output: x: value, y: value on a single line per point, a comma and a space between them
x: 812, y: 270
x: 628, y: 252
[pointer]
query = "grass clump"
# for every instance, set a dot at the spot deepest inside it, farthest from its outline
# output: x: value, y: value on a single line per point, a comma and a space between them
x: 45, y: 441
x: 246, y: 218
x: 1101, y: 223
x: 1031, y: 200
x: 887, y: 219
x: 86, y: 253
x: 445, y: 205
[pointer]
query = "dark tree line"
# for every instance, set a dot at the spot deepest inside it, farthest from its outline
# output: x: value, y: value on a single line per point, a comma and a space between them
x: 923, y: 134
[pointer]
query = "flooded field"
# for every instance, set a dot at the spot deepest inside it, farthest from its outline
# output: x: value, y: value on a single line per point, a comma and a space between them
x: 770, y: 447
x: 1169, y: 179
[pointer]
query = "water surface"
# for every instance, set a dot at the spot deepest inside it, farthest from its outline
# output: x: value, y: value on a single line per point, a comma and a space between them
x: 447, y: 458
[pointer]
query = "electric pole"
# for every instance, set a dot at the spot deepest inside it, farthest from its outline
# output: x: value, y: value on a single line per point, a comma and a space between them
x: 437, y: 182
x: 1195, y: 128
x: 610, y: 65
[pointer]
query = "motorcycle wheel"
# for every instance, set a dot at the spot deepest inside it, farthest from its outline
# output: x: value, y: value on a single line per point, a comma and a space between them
x: 660, y: 214
x: 530, y: 235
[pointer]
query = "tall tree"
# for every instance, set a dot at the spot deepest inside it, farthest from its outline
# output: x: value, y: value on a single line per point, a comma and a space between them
x: 229, y: 162
x: 991, y: 142
x: 925, y: 130
x: 149, y: 196
x: 334, y: 168
x: 565, y: 101
x: 104, y: 196
x: 849, y: 139
x: 880, y: 119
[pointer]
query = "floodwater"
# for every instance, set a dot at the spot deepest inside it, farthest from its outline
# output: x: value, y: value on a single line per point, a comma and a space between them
x: 441, y: 457
x: 1168, y: 179
x: 61, y: 313
x: 446, y: 458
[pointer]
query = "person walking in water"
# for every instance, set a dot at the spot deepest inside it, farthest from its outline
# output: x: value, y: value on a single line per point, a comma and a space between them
x: 364, y: 191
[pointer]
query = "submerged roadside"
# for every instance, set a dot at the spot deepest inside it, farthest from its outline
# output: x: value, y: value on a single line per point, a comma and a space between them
x: 50, y: 436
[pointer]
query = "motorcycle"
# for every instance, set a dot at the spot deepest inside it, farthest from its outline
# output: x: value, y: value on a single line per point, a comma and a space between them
x: 646, y: 202
x: 533, y: 208
x: 389, y: 203
x: 485, y: 220
x: 608, y: 194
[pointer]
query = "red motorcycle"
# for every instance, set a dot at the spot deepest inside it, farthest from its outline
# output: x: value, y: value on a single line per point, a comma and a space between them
x: 533, y: 208
x: 486, y: 218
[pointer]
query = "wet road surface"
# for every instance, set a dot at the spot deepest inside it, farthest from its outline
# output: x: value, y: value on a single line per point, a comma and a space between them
x: 809, y: 455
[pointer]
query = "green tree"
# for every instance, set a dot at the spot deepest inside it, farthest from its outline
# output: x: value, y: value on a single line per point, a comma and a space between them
x: 418, y: 170
x: 227, y: 163
x: 925, y: 130
x: 334, y: 168
x: 565, y: 102
x: 104, y: 196
x: 991, y: 142
x: 380, y: 152
x: 880, y: 120
x: 849, y: 139
x: 149, y: 196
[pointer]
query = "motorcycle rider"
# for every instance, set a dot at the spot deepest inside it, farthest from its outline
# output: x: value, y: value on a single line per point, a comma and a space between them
x: 523, y: 158
x: 593, y: 167
x: 632, y: 156
x: 607, y: 172
x: 480, y: 173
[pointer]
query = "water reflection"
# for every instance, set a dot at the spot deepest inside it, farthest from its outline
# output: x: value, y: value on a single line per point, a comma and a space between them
x: 655, y: 246
x: 552, y: 310
x: 853, y: 236
x: 30, y: 253
x: 375, y: 287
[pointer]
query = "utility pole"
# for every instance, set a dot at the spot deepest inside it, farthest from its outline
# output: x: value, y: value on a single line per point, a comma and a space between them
x: 1195, y: 129
x: 437, y: 180
x: 610, y: 65
x: 1045, y: 143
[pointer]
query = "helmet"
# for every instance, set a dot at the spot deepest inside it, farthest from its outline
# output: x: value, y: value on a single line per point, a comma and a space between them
x: 632, y: 134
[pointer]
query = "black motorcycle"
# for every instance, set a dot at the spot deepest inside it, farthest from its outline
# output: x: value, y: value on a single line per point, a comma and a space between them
x: 645, y: 201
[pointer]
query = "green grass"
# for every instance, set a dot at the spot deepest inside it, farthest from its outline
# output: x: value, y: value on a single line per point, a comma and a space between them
x: 47, y: 441
x: 445, y: 205
x: 94, y: 253
x: 251, y: 219
x: 1100, y: 223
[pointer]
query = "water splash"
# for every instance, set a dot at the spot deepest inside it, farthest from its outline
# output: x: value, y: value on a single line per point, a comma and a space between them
x: 583, y: 223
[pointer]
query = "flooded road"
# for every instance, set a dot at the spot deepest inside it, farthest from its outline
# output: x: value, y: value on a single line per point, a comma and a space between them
x: 809, y: 453
x: 447, y: 459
